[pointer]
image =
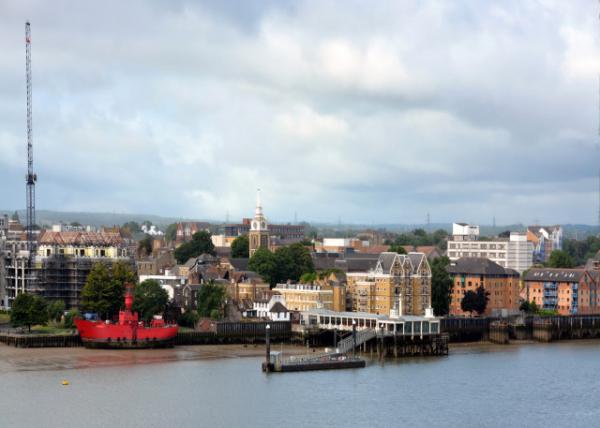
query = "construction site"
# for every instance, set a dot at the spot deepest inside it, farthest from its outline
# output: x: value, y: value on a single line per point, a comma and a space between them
x: 52, y: 263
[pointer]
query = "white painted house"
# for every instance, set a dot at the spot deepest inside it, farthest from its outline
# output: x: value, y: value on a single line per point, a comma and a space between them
x: 274, y: 309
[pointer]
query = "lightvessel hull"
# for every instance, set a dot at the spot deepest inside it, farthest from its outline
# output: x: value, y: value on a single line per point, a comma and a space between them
x: 97, y: 334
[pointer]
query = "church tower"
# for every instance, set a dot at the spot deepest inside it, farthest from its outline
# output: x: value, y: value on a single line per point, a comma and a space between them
x: 259, y: 229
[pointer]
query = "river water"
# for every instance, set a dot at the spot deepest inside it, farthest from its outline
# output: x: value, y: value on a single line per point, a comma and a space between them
x: 530, y: 385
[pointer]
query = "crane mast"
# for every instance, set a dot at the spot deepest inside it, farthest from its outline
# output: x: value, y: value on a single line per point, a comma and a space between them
x: 31, y: 177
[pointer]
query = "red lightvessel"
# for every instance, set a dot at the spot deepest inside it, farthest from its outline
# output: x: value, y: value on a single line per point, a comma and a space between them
x: 128, y: 332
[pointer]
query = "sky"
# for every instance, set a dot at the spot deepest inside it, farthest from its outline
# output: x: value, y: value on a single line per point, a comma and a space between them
x: 352, y: 111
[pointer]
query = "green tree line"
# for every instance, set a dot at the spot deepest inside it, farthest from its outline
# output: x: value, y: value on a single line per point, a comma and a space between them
x: 285, y: 263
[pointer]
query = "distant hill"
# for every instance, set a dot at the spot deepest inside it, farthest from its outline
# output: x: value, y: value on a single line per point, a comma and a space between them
x: 45, y: 217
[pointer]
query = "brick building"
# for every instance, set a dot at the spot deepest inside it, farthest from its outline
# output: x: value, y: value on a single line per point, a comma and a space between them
x: 502, y: 284
x: 399, y: 284
x: 567, y: 291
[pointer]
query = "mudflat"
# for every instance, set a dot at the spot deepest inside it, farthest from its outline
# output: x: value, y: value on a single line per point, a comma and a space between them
x: 34, y: 359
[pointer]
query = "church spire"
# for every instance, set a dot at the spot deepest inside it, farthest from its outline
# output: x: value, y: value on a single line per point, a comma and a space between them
x: 259, y: 229
x: 258, y: 211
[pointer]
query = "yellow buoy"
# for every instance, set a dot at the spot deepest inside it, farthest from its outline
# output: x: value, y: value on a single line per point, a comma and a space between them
x: 65, y: 382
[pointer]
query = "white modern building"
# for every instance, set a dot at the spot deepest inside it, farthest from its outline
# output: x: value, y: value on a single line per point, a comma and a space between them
x: 168, y: 281
x: 515, y: 252
x: 152, y: 230
x: 465, y: 232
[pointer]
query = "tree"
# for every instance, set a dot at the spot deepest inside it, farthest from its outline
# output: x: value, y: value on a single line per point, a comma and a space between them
x: 286, y: 263
x: 475, y: 301
x: 132, y: 227
x: 200, y: 244
x: 211, y: 300
x: 70, y: 317
x: 529, y: 307
x: 441, y: 286
x: 582, y: 250
x: 96, y: 293
x: 505, y: 234
x: 560, y: 259
x: 240, y: 247
x: 15, y: 217
x: 28, y: 310
x: 56, y: 310
x: 188, y: 319
x: 171, y: 232
x: 264, y: 263
x: 104, y: 288
x: 439, y: 237
x: 308, y: 278
x: 420, y: 232
x: 145, y: 246
x: 75, y: 224
x: 325, y: 273
x: 395, y: 248
x: 150, y: 299
x: 292, y: 262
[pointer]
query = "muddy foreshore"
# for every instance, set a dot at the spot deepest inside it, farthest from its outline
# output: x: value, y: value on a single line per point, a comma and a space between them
x: 32, y: 359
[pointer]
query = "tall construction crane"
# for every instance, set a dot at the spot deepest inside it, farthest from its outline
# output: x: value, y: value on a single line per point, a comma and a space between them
x: 31, y: 177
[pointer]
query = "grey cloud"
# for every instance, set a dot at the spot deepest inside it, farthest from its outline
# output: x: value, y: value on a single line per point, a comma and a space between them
x: 373, y: 112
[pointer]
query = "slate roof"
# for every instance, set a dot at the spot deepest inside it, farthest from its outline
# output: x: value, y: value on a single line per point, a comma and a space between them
x: 245, y: 275
x: 323, y: 261
x: 239, y: 264
x: 415, y: 260
x: 223, y: 251
x: 386, y: 260
x: 478, y: 266
x: 278, y: 308
x: 356, y: 265
x: 191, y: 262
x: 554, y: 275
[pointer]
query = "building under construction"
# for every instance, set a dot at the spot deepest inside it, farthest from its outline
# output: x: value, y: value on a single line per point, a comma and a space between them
x: 61, y: 264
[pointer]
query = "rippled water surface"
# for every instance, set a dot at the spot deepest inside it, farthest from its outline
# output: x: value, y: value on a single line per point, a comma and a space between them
x: 476, y: 386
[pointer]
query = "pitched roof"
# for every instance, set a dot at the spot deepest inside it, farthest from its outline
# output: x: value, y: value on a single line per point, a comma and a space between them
x: 278, y: 308
x: 386, y: 260
x: 323, y: 261
x: 415, y: 259
x: 49, y: 237
x: 191, y: 261
x: 223, y: 251
x: 356, y: 265
x: 239, y: 263
x: 554, y: 275
x: 478, y: 266
x: 376, y: 249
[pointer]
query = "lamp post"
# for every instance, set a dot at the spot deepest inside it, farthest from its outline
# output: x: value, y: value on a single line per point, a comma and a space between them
x: 268, y: 342
x: 354, y: 337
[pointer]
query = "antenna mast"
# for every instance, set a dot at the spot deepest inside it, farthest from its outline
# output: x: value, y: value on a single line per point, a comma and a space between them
x: 31, y: 178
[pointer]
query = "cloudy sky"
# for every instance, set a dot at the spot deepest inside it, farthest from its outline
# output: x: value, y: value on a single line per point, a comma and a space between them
x: 366, y: 111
